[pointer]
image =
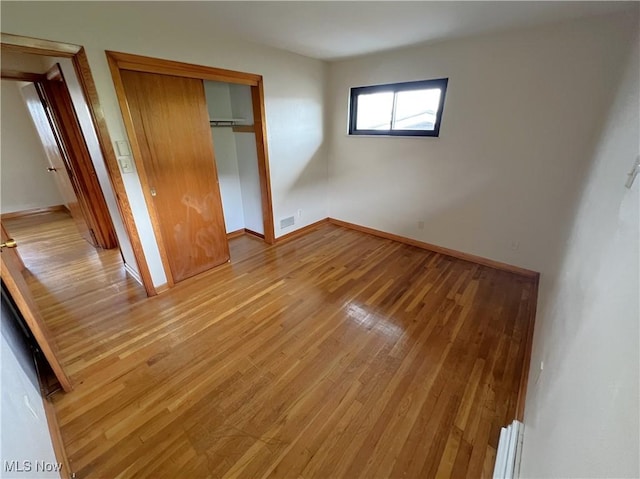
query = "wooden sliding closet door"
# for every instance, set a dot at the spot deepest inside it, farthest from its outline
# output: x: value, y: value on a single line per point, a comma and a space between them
x: 171, y: 124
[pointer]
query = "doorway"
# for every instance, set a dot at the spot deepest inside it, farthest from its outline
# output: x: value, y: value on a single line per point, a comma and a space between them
x: 129, y: 239
x: 41, y: 129
x: 231, y: 122
x: 164, y: 106
x: 67, y: 259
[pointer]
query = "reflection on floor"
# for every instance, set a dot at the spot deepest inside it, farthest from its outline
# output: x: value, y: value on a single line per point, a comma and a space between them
x: 337, y: 354
x: 69, y: 278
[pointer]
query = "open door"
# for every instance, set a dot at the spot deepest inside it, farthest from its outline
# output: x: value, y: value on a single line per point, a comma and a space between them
x: 171, y: 124
x: 11, y: 274
x: 58, y: 165
x: 66, y: 126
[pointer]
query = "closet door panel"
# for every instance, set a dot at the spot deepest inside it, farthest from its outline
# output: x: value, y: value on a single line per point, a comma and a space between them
x: 171, y: 124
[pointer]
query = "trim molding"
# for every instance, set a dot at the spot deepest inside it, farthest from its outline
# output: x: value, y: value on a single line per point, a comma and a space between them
x: 302, y: 231
x: 33, y: 212
x: 162, y: 288
x: 235, y: 234
x: 533, y: 275
x: 124, y: 61
x: 140, y: 63
x: 254, y: 233
x: 242, y: 232
x: 22, y: 76
x: 54, y: 431
x: 243, y: 129
x: 439, y: 249
x: 52, y: 419
x: 38, y: 46
x: 526, y: 366
x: 77, y: 54
x: 133, y: 273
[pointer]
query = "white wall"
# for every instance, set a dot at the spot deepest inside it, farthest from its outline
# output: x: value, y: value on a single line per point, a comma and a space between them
x: 294, y: 91
x: 91, y: 139
x: 520, y: 115
x: 241, y: 102
x: 236, y: 156
x: 581, y: 417
x: 25, y: 433
x: 249, y: 181
x: 25, y: 181
x: 224, y: 144
x: 246, y: 149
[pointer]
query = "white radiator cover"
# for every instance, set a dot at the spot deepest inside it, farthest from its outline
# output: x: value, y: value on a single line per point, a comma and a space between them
x: 509, y: 450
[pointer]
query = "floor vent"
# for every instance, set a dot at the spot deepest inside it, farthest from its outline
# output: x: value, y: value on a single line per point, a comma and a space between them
x: 286, y: 222
x: 509, y: 449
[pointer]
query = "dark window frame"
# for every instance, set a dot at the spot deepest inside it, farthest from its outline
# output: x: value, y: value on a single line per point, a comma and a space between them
x: 440, y: 83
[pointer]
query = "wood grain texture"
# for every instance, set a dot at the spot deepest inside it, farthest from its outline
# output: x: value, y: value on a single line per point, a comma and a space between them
x: 439, y: 249
x: 36, y: 46
x: 243, y: 129
x: 524, y: 378
x: 336, y: 354
x: 59, y: 165
x: 85, y: 77
x: 123, y: 61
x: 171, y: 125
x: 301, y: 231
x: 127, y: 61
x: 143, y: 176
x: 7, y: 74
x: 11, y: 271
x: 33, y: 211
x: 88, y: 189
x: 254, y: 233
x: 235, y: 234
x: 52, y: 420
x: 260, y: 127
x: 5, y: 236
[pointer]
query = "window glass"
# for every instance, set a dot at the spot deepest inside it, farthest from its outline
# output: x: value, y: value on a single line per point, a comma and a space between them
x: 398, y: 109
x: 374, y: 111
x: 416, y: 109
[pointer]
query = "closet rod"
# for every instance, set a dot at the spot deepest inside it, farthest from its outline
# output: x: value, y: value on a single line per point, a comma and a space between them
x: 227, y: 122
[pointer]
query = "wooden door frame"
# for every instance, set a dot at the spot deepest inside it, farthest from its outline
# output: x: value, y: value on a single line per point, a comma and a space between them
x: 124, y: 61
x: 24, y: 302
x: 74, y: 151
x: 78, y: 56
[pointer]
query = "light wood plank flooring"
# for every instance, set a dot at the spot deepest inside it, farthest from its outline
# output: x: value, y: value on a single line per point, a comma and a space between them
x: 337, y: 354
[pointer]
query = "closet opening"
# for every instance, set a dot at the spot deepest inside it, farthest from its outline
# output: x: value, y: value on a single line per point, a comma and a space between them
x: 198, y: 139
x: 234, y: 143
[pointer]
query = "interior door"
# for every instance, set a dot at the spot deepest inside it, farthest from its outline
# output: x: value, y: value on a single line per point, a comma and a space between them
x: 7, y: 240
x: 171, y: 124
x: 57, y: 163
x: 66, y: 126
x: 11, y: 273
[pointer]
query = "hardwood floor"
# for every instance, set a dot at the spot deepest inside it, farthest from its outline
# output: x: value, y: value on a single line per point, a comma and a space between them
x: 337, y: 354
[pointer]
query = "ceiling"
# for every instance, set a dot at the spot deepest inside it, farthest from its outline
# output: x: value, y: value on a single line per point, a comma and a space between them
x: 333, y: 30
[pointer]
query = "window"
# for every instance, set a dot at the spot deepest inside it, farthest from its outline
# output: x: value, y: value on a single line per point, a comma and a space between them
x: 398, y: 109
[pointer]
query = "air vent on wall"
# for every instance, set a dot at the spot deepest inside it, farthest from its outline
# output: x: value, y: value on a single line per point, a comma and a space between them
x: 286, y: 222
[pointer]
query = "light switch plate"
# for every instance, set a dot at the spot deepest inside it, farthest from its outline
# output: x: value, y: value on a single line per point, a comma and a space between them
x: 126, y: 166
x: 122, y: 146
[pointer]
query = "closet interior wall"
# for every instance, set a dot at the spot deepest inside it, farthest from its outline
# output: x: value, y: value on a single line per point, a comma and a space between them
x: 236, y: 155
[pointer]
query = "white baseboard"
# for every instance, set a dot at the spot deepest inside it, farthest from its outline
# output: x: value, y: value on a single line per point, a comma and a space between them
x: 133, y: 273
